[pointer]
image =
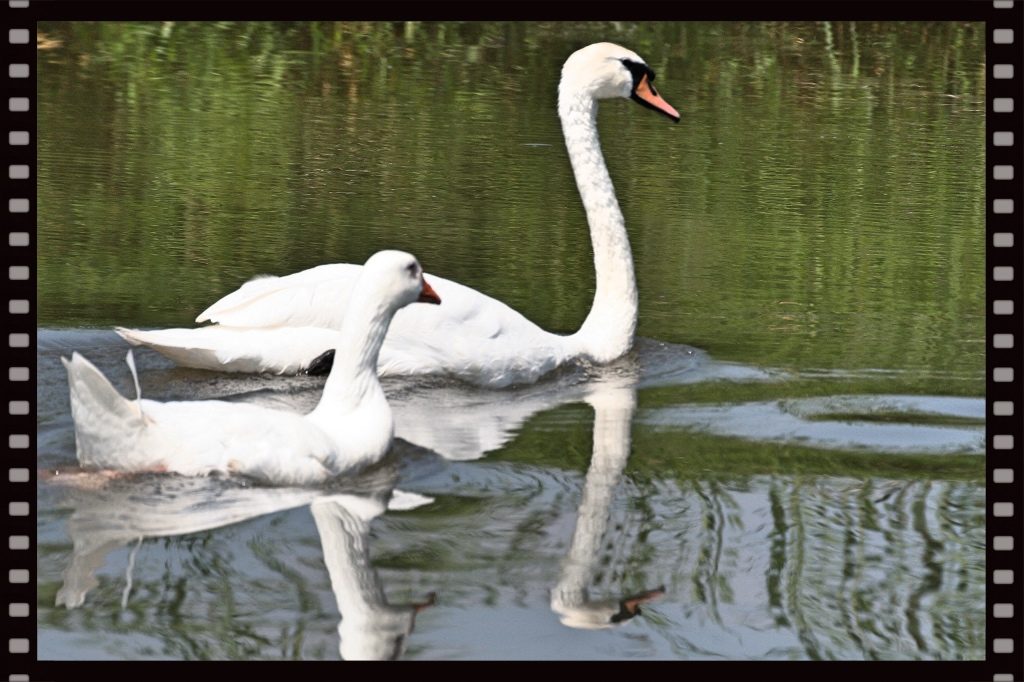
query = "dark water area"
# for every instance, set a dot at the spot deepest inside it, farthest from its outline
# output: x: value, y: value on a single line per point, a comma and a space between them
x: 788, y: 465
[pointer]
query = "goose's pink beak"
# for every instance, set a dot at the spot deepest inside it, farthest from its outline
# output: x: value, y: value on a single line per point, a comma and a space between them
x: 428, y: 295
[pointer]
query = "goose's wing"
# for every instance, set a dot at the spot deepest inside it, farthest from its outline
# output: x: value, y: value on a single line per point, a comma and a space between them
x: 316, y: 297
x: 205, y: 436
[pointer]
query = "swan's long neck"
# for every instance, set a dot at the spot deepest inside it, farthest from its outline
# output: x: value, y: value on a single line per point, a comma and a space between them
x: 607, y: 333
x: 353, y: 377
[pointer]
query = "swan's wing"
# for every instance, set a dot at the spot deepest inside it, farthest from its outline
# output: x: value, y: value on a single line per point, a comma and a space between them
x: 470, y: 335
x: 315, y: 298
x: 318, y: 297
x: 473, y: 317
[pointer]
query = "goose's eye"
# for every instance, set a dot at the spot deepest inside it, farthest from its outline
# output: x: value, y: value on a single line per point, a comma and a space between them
x: 411, y: 269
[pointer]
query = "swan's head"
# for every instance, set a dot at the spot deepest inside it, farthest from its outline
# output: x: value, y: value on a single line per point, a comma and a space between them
x: 607, y: 70
x: 397, y: 277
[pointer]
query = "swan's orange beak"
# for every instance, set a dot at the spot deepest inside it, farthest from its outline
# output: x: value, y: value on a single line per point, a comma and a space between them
x: 428, y: 295
x: 649, y: 97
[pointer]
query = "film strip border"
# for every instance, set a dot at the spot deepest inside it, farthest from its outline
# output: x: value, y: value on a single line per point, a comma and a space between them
x: 1004, y: 336
x: 20, y: 191
x: 1005, y: 333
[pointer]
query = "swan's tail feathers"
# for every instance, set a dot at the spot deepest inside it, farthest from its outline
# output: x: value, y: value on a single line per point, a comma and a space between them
x: 105, y: 421
x: 129, y: 335
x: 186, y: 347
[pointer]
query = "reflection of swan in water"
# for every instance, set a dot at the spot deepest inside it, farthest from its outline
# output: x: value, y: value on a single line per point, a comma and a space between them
x: 614, y: 403
x: 118, y: 512
x: 370, y: 628
x: 463, y: 423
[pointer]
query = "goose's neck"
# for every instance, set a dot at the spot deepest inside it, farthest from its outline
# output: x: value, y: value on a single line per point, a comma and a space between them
x: 354, y: 581
x: 607, y: 332
x: 353, y: 380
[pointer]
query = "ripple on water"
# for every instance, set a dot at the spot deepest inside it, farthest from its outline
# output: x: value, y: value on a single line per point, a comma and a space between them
x: 753, y: 565
x: 823, y: 422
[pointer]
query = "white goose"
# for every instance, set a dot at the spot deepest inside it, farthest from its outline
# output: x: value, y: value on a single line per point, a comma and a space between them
x: 284, y: 324
x: 350, y: 428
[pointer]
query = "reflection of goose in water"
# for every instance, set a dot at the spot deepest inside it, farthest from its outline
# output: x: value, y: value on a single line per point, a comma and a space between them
x: 614, y: 404
x: 463, y: 423
x: 112, y: 513
x: 370, y: 627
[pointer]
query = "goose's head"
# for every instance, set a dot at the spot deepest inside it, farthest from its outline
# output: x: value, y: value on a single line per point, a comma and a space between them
x: 607, y: 70
x: 398, y: 278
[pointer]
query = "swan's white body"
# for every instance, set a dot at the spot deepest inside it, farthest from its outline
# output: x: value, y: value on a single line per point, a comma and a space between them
x: 285, y: 322
x: 350, y: 428
x: 280, y: 324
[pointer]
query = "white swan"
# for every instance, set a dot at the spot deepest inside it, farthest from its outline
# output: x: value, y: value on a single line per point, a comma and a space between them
x: 283, y: 324
x: 351, y: 427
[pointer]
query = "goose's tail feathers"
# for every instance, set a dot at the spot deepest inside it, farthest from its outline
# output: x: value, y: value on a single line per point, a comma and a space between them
x: 105, y: 421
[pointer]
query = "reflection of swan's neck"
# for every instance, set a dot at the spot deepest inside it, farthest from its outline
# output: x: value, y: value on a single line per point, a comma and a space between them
x: 613, y: 413
x: 607, y: 333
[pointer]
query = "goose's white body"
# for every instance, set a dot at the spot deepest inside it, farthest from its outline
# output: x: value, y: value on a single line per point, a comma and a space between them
x: 351, y: 427
x: 278, y: 324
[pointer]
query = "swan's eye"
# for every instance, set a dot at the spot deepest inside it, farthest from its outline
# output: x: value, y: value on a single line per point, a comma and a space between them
x: 637, y: 71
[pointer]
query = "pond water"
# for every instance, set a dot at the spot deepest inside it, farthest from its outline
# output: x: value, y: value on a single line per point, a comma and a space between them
x: 788, y: 465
